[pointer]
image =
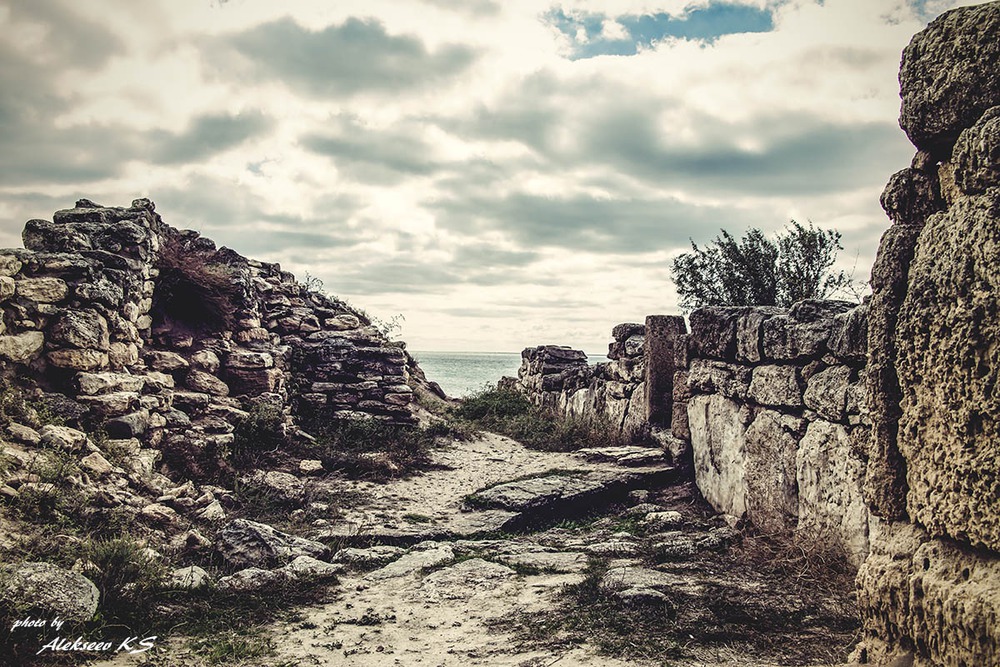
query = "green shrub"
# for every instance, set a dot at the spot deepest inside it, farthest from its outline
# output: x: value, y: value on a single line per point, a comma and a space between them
x: 372, y: 449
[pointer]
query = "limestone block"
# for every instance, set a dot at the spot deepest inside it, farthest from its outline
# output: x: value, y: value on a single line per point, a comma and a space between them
x: 122, y: 355
x: 344, y: 322
x: 206, y: 383
x: 253, y: 381
x: 718, y: 445
x: 79, y: 360
x: 165, y: 362
x: 749, y: 332
x: 831, y: 505
x: 205, y: 360
x: 84, y: 329
x: 246, y: 359
x: 7, y: 287
x: 911, y: 195
x: 62, y: 437
x: 930, y: 601
x: 92, y: 384
x: 10, y: 265
x: 713, y: 332
x: 826, y: 392
x: 772, y: 440
x: 849, y: 337
x: 707, y: 376
x: 778, y: 386
x: 63, y: 594
x: 42, y: 290
x: 949, y: 370
x: 22, y: 348
x: 114, y: 404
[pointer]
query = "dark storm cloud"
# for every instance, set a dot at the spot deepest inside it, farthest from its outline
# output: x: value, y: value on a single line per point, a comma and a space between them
x: 235, y: 216
x: 73, y: 40
x: 356, y: 56
x: 581, y: 222
x: 792, y: 154
x: 374, y: 155
x: 205, y: 136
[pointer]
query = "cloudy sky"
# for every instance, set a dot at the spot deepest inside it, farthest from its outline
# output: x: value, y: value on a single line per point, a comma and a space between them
x: 502, y: 173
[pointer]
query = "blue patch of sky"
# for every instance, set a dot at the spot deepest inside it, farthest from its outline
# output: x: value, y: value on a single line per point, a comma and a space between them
x: 703, y: 24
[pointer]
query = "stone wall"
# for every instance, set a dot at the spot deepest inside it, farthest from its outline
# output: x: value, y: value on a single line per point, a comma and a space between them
x: 929, y: 591
x: 158, y: 335
x: 776, y: 417
x: 614, y: 392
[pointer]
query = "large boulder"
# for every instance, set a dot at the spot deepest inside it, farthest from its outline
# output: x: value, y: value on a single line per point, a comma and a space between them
x: 949, y: 76
x: 45, y: 588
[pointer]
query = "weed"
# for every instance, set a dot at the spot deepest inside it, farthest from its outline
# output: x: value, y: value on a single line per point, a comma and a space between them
x: 510, y: 413
x: 259, y: 433
x: 233, y: 646
x: 126, y: 575
x: 413, y: 517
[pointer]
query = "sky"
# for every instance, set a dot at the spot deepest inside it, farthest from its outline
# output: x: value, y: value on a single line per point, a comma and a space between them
x: 500, y: 173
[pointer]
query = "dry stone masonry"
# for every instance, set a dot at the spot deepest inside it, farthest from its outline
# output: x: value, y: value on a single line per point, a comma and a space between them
x: 165, y: 339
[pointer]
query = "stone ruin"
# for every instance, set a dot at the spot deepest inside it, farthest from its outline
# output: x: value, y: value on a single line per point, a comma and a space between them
x: 164, y: 340
x: 872, y: 430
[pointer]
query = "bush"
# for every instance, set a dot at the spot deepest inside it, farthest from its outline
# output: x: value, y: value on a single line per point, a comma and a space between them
x: 510, y: 413
x: 757, y: 271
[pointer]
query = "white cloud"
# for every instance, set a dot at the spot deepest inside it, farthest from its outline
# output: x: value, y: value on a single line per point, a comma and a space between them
x: 459, y: 169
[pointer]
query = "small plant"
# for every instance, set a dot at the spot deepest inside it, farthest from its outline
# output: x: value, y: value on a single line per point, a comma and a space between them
x: 259, y: 433
x: 126, y: 575
x: 372, y: 449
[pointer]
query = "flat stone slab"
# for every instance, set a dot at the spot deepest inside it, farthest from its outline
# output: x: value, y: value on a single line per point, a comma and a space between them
x: 430, y: 555
x: 563, y: 490
x: 629, y: 456
x: 548, y: 561
x: 462, y: 525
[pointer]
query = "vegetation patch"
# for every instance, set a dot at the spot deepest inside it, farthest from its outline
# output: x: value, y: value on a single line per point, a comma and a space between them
x: 510, y: 413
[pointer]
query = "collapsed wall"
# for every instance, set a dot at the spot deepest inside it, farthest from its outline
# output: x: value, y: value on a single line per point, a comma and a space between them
x: 930, y: 592
x: 155, y: 334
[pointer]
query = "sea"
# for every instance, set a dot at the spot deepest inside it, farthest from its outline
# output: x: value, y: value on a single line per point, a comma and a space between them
x: 464, y: 373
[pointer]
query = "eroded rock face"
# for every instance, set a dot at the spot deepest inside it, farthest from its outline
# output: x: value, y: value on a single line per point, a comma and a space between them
x: 244, y: 543
x: 948, y: 77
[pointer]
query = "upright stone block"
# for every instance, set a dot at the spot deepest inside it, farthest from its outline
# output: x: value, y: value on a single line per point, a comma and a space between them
x: 662, y: 332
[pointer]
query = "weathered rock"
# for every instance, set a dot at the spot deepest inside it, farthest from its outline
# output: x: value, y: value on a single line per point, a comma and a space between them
x: 708, y: 376
x: 22, y: 348
x: 42, y: 290
x: 779, y: 386
x: 205, y: 360
x: 206, y: 383
x: 826, y: 392
x: 190, y: 578
x: 66, y: 595
x: 281, y: 486
x: 771, y: 442
x: 93, y: 384
x: 911, y: 196
x: 62, y: 437
x: 85, y: 329
x: 831, y: 507
x: 79, y: 360
x: 244, y: 543
x: 96, y: 464
x: 253, y: 579
x: 948, y: 77
x: 424, y: 555
x: 713, y: 332
x: 750, y: 331
x: 949, y: 368
x: 977, y: 155
x: 365, y: 559
x: 21, y: 433
x: 165, y: 362
x: 933, y: 597
x: 659, y: 521
x: 7, y: 287
x: 547, y: 561
x: 307, y: 568
x: 718, y: 446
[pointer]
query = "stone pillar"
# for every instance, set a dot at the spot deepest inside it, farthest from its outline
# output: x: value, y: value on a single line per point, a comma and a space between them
x: 661, y: 333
